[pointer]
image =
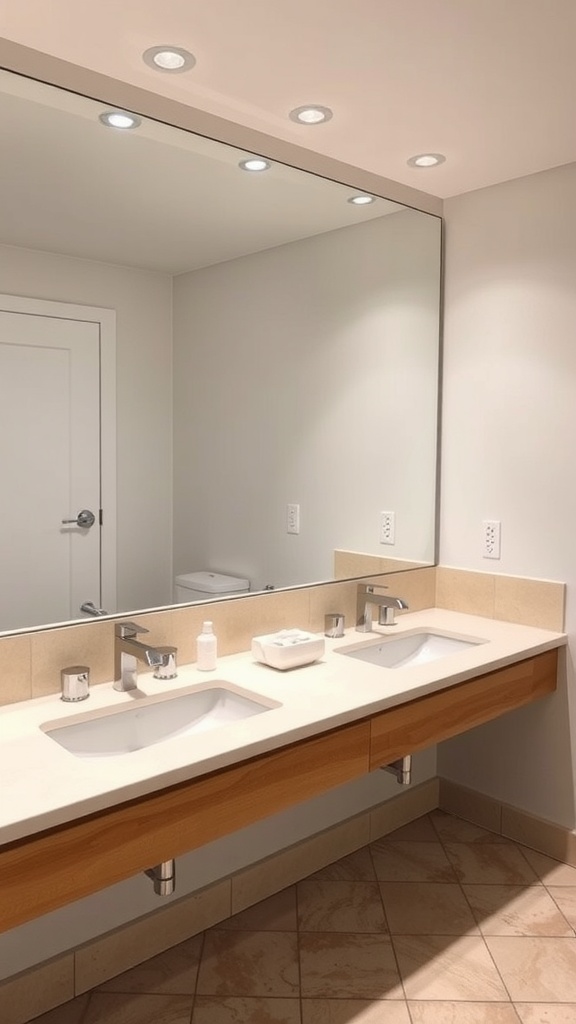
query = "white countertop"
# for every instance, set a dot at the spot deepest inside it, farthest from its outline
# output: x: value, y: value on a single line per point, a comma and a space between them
x: 43, y: 785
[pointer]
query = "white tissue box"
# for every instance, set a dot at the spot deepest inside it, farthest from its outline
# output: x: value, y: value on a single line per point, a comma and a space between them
x: 288, y: 648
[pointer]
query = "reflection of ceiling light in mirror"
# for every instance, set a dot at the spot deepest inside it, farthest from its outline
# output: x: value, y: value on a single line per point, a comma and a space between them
x: 120, y: 119
x: 310, y: 114
x: 169, y: 58
x: 254, y: 164
x: 426, y: 160
x: 362, y: 200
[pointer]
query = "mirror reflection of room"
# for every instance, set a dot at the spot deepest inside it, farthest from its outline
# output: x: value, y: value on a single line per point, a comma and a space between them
x: 271, y: 367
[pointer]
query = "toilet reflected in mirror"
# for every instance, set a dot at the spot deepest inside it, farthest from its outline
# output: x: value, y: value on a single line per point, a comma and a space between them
x: 207, y: 586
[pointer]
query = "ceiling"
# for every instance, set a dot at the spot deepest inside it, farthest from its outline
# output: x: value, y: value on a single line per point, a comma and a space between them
x: 157, y: 198
x: 491, y: 84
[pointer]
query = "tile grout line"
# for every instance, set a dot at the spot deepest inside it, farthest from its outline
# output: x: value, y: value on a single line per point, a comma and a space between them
x: 560, y: 911
x: 84, y: 1014
x: 195, y: 992
x: 298, y: 954
x: 481, y: 934
x: 393, y: 947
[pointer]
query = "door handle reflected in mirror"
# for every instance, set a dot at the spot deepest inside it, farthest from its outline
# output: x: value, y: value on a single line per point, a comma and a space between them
x: 90, y: 609
x: 85, y: 518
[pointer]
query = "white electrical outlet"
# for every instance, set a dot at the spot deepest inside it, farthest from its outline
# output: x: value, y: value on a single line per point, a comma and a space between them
x: 292, y: 518
x: 491, y: 538
x: 387, y: 527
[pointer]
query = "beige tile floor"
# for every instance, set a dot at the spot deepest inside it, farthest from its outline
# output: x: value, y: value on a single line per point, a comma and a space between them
x: 441, y: 922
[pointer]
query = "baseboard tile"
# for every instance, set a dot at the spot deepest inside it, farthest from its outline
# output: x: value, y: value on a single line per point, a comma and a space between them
x: 299, y: 861
x: 470, y: 805
x: 38, y: 990
x: 132, y: 944
x: 274, y: 873
x: 539, y: 834
x: 412, y: 803
x: 544, y: 836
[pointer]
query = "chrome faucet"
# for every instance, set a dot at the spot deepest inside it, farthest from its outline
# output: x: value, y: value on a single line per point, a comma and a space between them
x: 367, y: 596
x: 128, y: 652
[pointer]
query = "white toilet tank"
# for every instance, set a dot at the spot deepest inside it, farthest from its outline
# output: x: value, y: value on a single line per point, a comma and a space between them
x: 207, y: 586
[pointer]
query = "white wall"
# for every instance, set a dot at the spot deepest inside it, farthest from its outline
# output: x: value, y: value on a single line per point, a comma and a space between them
x: 143, y: 304
x: 509, y: 423
x: 307, y: 374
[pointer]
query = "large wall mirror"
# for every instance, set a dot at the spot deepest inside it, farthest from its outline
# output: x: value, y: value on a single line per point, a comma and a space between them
x: 271, y: 354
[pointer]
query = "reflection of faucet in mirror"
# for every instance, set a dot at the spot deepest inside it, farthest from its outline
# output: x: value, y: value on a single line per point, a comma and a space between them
x: 367, y: 596
x: 128, y: 651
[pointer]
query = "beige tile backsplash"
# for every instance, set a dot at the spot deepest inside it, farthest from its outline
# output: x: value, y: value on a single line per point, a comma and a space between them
x: 461, y: 591
x: 531, y: 602
x: 416, y: 586
x: 36, y: 659
x: 52, y: 650
x: 509, y: 598
x: 17, y: 677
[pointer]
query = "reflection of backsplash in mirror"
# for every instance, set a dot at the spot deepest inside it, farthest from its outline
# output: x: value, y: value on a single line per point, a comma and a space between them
x: 353, y: 564
x: 300, y: 377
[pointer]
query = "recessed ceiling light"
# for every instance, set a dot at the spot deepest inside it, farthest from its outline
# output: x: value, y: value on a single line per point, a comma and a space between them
x: 255, y: 163
x: 169, y: 58
x: 312, y: 114
x: 362, y: 200
x: 120, y: 119
x: 426, y: 160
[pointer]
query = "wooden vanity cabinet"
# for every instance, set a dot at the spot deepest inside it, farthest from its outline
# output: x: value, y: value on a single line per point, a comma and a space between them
x: 62, y: 864
x: 52, y: 868
x: 437, y: 716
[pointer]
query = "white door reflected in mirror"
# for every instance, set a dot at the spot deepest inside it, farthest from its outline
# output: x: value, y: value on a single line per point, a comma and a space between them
x: 50, y: 400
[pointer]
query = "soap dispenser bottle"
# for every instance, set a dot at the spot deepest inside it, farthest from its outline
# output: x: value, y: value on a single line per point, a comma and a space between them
x: 206, y: 649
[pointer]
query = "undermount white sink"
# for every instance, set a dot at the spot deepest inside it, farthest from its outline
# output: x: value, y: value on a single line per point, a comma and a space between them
x: 150, y: 721
x: 417, y: 648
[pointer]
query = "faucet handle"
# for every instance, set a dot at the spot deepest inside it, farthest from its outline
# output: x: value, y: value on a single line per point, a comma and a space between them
x: 167, y: 668
x: 75, y: 683
x: 128, y: 630
x: 387, y: 610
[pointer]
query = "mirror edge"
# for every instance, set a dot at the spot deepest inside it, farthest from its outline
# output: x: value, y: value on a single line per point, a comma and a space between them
x: 42, y: 67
